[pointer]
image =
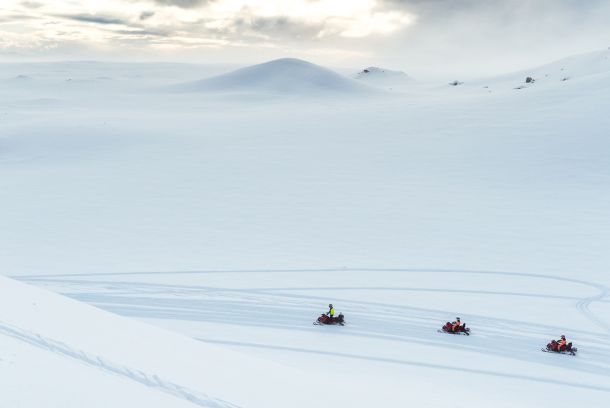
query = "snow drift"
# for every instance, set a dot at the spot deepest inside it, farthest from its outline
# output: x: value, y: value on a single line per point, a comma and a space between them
x: 283, y: 76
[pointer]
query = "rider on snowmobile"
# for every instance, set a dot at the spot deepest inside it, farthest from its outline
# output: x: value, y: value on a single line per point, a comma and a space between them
x: 331, y: 311
x: 456, y: 325
x: 562, y: 343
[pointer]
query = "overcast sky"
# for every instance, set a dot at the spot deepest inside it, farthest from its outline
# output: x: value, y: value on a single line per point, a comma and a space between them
x: 418, y: 36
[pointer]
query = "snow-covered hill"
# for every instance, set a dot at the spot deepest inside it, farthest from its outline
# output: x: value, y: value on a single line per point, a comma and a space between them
x: 594, y: 66
x: 384, y: 78
x: 285, y: 76
x: 577, y: 66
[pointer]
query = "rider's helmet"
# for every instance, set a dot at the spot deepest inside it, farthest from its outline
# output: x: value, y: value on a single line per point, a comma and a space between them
x: 563, y: 336
x: 457, y: 318
x: 330, y: 305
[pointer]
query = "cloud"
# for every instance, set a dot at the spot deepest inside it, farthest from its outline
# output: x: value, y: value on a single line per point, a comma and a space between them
x: 187, y: 4
x: 519, y: 9
x: 413, y: 35
x: 306, y: 20
x: 474, y: 37
x: 11, y: 18
x: 31, y: 4
x: 141, y: 33
x: 96, y: 19
x: 145, y: 15
x: 235, y: 21
x: 276, y: 28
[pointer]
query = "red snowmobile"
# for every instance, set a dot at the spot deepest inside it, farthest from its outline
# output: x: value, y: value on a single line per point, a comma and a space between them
x: 462, y: 329
x: 325, y: 319
x: 555, y: 347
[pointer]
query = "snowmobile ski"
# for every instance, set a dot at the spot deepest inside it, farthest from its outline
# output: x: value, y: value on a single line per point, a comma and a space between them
x: 571, y: 353
x: 458, y: 333
x: 329, y: 324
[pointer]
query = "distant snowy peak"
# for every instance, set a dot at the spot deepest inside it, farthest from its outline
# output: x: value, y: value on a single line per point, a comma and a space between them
x: 382, y: 77
x: 379, y: 73
x: 283, y: 76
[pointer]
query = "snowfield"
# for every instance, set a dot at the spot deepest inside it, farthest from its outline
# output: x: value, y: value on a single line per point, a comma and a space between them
x: 172, y: 249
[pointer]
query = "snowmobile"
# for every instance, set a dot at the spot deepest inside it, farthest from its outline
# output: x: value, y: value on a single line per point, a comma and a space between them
x: 462, y: 330
x: 325, y: 319
x: 553, y: 347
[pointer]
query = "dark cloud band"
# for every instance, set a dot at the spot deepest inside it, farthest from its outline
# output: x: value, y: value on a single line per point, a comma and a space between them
x: 182, y: 3
x: 96, y: 19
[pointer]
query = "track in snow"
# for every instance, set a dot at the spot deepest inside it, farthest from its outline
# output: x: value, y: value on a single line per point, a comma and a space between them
x: 206, y: 304
x: 131, y: 374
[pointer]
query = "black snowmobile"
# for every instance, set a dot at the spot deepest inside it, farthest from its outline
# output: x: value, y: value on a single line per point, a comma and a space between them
x: 554, y: 347
x: 461, y: 330
x: 325, y: 319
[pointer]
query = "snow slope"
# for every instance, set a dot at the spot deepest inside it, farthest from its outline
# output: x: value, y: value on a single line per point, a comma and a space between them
x: 390, y: 346
x: 593, y: 66
x: 284, y: 76
x: 233, y: 222
x: 57, y: 352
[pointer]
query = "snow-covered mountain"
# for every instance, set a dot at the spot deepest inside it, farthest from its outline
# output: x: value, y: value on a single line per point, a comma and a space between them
x: 285, y: 76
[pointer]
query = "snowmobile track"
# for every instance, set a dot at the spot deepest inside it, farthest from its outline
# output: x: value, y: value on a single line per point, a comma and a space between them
x: 556, y: 352
x: 455, y: 334
x: 148, y: 379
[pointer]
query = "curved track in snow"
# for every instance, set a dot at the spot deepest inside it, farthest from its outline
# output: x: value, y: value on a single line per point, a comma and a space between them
x: 392, y: 320
x: 582, y: 304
